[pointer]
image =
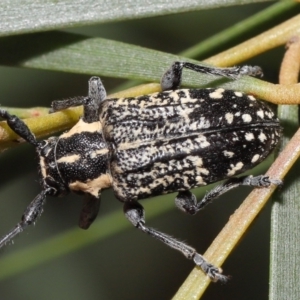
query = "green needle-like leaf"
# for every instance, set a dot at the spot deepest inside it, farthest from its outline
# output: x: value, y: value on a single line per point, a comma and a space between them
x: 24, y: 16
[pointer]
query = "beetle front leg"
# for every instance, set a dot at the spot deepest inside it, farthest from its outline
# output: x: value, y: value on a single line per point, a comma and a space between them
x: 135, y: 214
x: 30, y: 215
x: 171, y: 80
x: 91, y: 103
x: 187, y: 202
x: 89, y: 211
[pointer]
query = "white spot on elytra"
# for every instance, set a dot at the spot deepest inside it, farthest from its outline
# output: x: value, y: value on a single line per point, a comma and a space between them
x: 217, y: 94
x: 238, y: 94
x: 260, y: 113
x: 203, y: 143
x: 228, y: 153
x: 246, y: 118
x: 249, y: 136
x: 255, y: 158
x: 269, y: 114
x: 235, y: 168
x: 250, y: 97
x: 229, y: 118
x: 262, y: 137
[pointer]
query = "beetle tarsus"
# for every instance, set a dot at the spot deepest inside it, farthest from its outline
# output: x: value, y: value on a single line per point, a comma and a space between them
x: 213, y: 272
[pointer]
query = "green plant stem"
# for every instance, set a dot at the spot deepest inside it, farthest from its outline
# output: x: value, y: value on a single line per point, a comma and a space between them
x: 274, y: 37
x: 25, y: 113
x: 238, y: 29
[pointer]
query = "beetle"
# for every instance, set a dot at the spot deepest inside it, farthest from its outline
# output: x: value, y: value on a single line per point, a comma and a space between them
x: 166, y: 142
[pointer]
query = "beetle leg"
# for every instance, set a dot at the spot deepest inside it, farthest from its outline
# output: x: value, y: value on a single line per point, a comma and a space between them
x: 89, y: 211
x: 30, y: 215
x: 171, y: 80
x: 91, y: 103
x: 58, y: 105
x: 186, y: 201
x: 136, y: 215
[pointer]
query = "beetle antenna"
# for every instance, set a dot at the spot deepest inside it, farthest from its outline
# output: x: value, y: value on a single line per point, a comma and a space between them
x: 30, y: 215
x: 19, y: 127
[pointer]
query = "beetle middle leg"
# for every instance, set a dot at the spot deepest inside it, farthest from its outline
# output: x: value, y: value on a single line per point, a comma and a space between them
x: 136, y: 215
x: 187, y: 202
x: 171, y: 80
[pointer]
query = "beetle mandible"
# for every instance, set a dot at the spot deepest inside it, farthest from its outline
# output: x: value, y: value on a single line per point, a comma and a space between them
x: 171, y: 141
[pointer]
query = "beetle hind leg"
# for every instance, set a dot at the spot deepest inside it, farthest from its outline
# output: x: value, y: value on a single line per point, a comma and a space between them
x: 171, y: 80
x: 187, y: 202
x: 136, y: 215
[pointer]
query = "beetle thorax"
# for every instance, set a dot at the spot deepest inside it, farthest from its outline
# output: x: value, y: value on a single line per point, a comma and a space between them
x: 76, y: 161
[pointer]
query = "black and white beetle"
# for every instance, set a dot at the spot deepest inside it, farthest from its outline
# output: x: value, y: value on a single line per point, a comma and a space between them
x: 155, y: 144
